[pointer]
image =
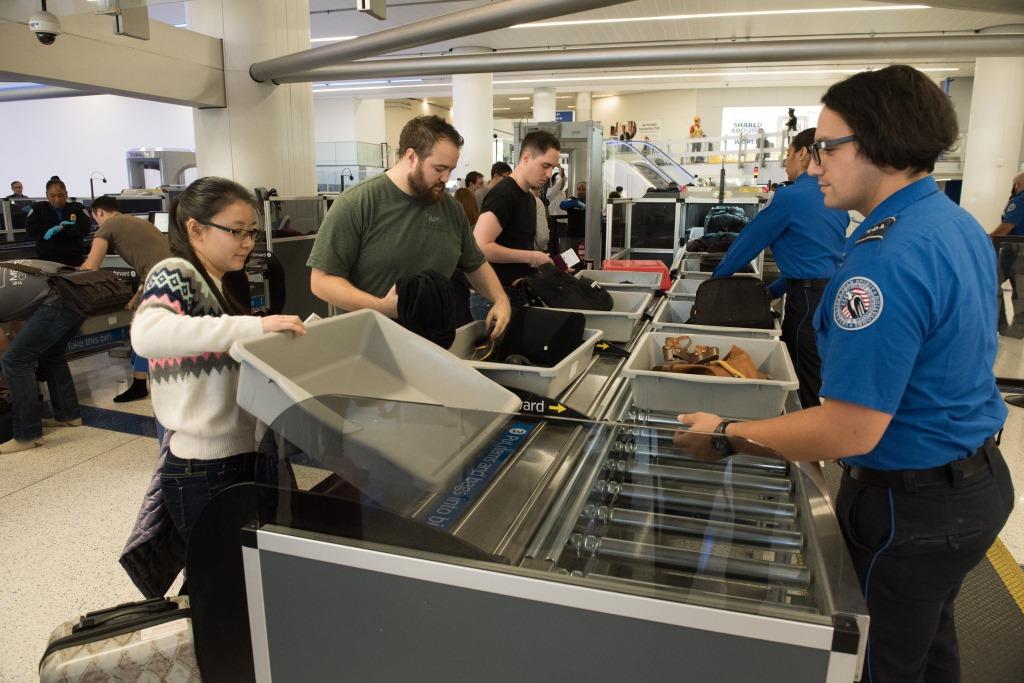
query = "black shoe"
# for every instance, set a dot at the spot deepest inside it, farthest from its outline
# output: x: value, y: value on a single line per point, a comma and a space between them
x: 133, y: 393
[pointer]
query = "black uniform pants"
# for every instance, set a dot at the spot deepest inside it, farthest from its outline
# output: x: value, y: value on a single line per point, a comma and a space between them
x: 911, y: 551
x: 798, y: 335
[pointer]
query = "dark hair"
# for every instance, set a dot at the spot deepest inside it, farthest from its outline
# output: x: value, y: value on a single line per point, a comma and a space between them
x: 16, y: 182
x: 472, y: 176
x: 500, y: 168
x: 105, y: 203
x: 54, y: 180
x: 539, y: 141
x: 900, y: 117
x: 803, y: 139
x: 422, y: 133
x: 202, y: 200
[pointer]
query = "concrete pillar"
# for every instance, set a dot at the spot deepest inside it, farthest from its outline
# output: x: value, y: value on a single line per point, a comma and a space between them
x: 544, y: 104
x: 994, y: 137
x: 584, y: 106
x: 472, y: 116
x: 264, y: 137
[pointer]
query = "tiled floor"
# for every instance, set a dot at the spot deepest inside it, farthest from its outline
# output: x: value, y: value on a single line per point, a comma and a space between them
x: 66, y: 510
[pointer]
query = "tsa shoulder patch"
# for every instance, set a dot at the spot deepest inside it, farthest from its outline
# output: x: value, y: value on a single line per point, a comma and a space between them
x: 877, y: 231
x: 858, y: 304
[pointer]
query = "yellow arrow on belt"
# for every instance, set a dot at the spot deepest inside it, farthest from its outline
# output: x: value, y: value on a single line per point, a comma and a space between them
x: 558, y: 408
x: 603, y: 346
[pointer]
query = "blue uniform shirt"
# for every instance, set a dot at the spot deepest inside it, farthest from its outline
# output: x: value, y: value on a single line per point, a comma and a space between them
x: 1014, y: 214
x: 806, y: 237
x: 907, y: 327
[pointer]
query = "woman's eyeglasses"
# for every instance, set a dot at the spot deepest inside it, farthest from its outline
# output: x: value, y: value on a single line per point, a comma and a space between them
x: 239, y: 235
x: 816, y: 148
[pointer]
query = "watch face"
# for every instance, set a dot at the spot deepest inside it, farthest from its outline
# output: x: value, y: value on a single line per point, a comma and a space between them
x: 721, y: 445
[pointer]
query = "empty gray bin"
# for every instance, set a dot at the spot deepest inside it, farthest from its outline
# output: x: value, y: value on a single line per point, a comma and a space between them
x: 621, y: 322
x: 685, y: 287
x: 749, y: 399
x: 358, y: 354
x: 624, y: 280
x: 549, y: 382
x: 674, y: 313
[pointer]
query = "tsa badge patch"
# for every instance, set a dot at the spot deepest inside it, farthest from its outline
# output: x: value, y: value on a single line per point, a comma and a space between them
x: 858, y: 304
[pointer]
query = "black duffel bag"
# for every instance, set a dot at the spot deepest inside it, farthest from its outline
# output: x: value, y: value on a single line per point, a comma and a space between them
x: 732, y: 302
x: 92, y: 292
x: 555, y: 289
x: 87, y: 292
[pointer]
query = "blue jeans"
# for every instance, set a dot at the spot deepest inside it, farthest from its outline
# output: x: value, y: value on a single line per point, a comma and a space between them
x: 188, y: 485
x: 479, y: 307
x: 42, y: 342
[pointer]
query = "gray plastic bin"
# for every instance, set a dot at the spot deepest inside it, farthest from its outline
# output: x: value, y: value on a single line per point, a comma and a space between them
x: 673, y: 314
x: 621, y: 322
x: 624, y: 280
x: 685, y: 287
x: 750, y: 399
x: 358, y: 354
x: 549, y: 382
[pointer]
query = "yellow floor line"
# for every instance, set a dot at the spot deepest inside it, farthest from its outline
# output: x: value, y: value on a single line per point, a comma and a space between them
x: 1009, y: 572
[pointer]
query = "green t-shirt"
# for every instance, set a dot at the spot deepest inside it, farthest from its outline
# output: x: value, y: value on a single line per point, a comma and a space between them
x: 374, y: 234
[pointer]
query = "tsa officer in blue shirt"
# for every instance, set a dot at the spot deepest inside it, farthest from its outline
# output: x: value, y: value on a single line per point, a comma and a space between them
x: 906, y: 332
x: 806, y: 238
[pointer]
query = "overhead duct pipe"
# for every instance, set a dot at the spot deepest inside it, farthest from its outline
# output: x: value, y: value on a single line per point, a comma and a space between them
x: 39, y: 92
x: 469, y: 22
x: 881, y: 49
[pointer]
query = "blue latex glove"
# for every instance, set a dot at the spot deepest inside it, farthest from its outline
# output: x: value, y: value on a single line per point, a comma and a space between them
x: 53, y: 231
x: 68, y: 223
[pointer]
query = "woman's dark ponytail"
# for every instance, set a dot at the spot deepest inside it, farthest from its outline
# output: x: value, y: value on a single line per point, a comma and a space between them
x: 202, y: 200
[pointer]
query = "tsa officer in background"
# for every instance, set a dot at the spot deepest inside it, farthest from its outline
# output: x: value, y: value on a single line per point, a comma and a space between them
x: 1012, y: 223
x: 58, y: 226
x: 806, y: 238
x: 906, y: 331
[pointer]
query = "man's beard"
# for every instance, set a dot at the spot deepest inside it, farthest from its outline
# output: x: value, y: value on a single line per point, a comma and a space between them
x: 426, y: 193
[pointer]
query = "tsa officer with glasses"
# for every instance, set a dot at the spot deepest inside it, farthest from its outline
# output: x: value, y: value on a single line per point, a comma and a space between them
x: 806, y: 238
x: 906, y: 332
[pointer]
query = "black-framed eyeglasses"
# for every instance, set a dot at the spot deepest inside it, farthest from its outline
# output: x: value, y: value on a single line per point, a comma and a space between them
x: 237, y: 233
x: 815, y: 149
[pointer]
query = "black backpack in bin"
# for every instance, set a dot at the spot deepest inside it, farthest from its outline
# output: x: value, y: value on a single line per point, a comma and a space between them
x: 732, y: 302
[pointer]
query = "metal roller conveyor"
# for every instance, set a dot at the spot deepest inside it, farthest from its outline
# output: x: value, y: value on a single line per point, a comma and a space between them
x: 769, y: 486
x: 757, y: 510
x: 665, y: 449
x: 690, y: 560
x: 785, y: 541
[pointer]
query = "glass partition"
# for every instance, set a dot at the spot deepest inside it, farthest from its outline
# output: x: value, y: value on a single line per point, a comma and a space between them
x: 641, y: 509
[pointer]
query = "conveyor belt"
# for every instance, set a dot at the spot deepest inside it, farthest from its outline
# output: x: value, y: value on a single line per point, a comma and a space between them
x: 989, y: 612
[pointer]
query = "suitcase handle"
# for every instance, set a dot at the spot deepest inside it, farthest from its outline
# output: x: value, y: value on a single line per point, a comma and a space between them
x: 152, y: 606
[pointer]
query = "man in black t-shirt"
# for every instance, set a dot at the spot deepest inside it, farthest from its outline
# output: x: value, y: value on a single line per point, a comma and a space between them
x: 507, y: 227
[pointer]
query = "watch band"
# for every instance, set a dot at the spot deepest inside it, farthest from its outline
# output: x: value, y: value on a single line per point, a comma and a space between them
x: 720, y: 442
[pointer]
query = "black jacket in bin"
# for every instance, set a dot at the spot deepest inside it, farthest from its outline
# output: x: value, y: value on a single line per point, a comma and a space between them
x: 67, y: 246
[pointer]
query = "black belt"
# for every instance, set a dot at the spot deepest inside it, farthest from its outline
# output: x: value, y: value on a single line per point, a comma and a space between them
x: 807, y: 284
x: 951, y: 474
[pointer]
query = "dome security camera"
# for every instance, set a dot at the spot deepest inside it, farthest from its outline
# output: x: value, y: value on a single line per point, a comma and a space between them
x: 46, y: 26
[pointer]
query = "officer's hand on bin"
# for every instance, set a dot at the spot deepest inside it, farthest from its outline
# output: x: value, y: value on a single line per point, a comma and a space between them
x: 283, y: 323
x: 498, y: 317
x: 699, y: 445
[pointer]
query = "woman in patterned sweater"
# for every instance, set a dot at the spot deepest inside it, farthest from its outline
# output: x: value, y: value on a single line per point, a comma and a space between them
x: 185, y: 325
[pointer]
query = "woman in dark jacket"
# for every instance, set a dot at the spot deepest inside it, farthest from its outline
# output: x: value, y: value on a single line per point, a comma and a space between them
x: 58, y: 226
